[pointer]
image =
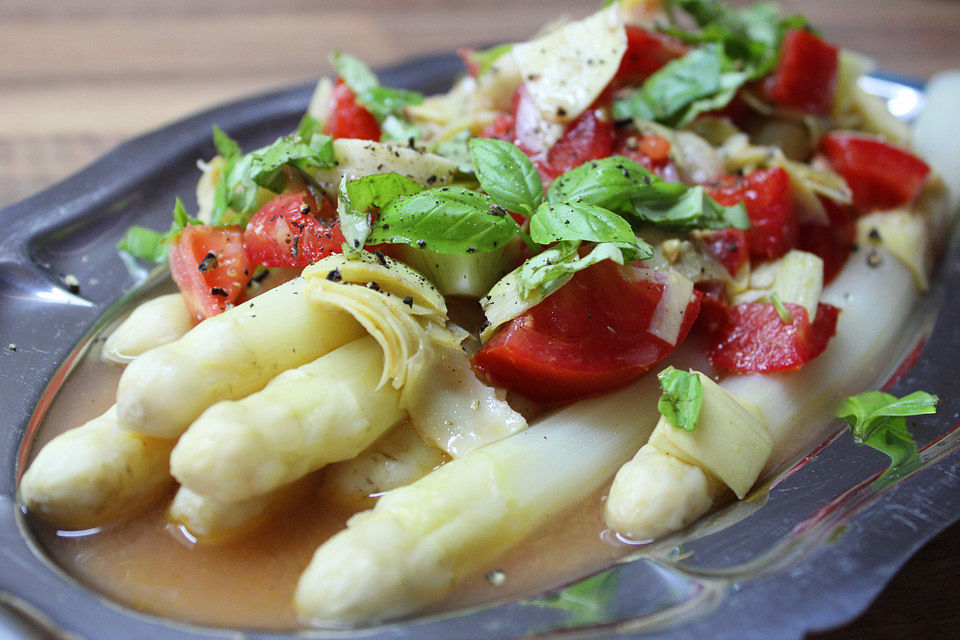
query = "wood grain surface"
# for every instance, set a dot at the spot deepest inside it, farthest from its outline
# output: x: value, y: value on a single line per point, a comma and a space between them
x: 79, y: 76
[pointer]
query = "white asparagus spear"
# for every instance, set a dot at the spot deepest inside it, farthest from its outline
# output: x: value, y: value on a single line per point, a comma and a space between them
x: 420, y: 539
x: 95, y: 474
x: 227, y: 357
x: 155, y: 322
x: 325, y: 411
x: 879, y: 297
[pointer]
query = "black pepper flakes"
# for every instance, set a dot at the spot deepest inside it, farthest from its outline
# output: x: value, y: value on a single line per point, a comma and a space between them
x: 497, y: 210
x: 422, y: 243
x: 334, y: 275
x: 380, y: 257
x: 295, y: 249
x: 218, y: 291
x: 209, y: 262
x: 408, y: 301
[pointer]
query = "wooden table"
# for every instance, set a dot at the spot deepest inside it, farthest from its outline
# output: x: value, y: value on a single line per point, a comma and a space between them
x: 79, y: 76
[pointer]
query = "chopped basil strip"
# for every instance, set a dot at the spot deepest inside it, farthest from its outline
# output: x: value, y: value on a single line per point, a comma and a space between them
x: 507, y: 175
x: 378, y: 100
x: 226, y: 146
x: 456, y: 148
x: 878, y: 420
x: 681, y: 398
x: 151, y: 245
x: 485, y: 59
x: 587, y: 602
x: 445, y: 220
x: 549, y: 270
x: 676, y: 207
x: 266, y: 167
x: 782, y: 310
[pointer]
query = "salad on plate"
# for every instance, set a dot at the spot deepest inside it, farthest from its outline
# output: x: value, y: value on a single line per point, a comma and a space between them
x: 614, y: 277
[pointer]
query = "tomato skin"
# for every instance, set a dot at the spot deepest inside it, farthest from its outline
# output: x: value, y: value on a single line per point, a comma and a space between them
x: 348, y: 119
x: 880, y: 175
x: 754, y: 339
x: 768, y: 198
x: 833, y: 242
x: 806, y: 74
x: 647, y: 52
x: 588, y: 337
x: 209, y: 285
x: 729, y: 247
x: 286, y: 233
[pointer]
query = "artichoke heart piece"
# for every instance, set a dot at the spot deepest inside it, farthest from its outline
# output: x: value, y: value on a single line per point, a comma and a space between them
x: 730, y: 441
x: 358, y: 158
x: 422, y: 356
x: 567, y: 68
x: 796, y: 278
x: 905, y: 235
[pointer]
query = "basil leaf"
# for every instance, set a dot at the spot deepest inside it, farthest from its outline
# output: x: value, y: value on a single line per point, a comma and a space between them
x: 485, y: 59
x: 354, y: 72
x: 576, y: 221
x: 781, y: 309
x: 552, y: 268
x: 307, y: 128
x: 456, y: 148
x: 357, y: 197
x: 378, y: 100
x: 700, y: 81
x: 682, y: 394
x: 609, y: 183
x: 445, y: 220
x: 396, y: 129
x: 588, y: 602
x: 507, y: 175
x: 145, y: 244
x: 676, y: 207
x: 226, y: 146
x: 878, y: 420
x: 266, y: 168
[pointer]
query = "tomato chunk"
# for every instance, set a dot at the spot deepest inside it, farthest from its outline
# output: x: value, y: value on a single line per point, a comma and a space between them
x: 287, y: 233
x: 729, y: 247
x: 210, y: 268
x: 754, y: 338
x: 806, y: 74
x: 590, y: 336
x: 646, y: 52
x: 768, y: 198
x: 880, y: 175
x: 833, y: 242
x: 348, y: 119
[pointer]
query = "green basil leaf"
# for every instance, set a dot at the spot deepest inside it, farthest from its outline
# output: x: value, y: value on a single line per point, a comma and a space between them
x: 700, y: 81
x: 507, y: 175
x: 456, y: 148
x: 266, y: 168
x: 307, y: 128
x: 357, y: 197
x: 682, y: 394
x: 680, y: 208
x: 397, y: 129
x: 609, y: 183
x: 354, y: 72
x: 445, y: 220
x: 145, y: 244
x: 226, y: 146
x: 485, y: 59
x: 550, y: 269
x: 578, y: 221
x: 878, y: 420
x: 384, y: 101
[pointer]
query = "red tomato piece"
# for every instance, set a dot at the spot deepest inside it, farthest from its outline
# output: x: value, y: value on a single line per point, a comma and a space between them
x: 713, y: 306
x: 348, y: 119
x: 833, y: 242
x: 649, y: 153
x: 880, y: 175
x: 590, y: 336
x: 754, y: 339
x: 589, y: 137
x: 210, y: 268
x: 502, y: 128
x: 286, y: 232
x: 729, y: 247
x: 646, y: 52
x: 768, y: 198
x: 806, y: 74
